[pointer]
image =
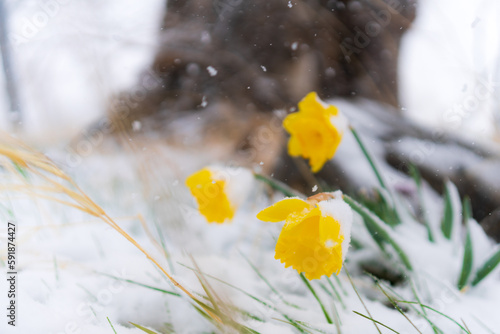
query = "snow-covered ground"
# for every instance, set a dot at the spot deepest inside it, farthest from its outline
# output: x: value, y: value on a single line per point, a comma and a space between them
x: 71, y: 55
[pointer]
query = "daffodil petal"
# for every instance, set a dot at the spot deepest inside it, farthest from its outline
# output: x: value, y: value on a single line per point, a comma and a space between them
x: 294, y: 148
x: 311, y: 104
x: 280, y: 210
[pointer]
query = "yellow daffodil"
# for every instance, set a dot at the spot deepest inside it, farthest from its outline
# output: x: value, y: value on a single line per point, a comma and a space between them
x: 217, y: 193
x: 316, y: 131
x: 316, y: 234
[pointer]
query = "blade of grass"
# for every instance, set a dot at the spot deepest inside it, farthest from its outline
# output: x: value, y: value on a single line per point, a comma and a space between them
x: 310, y: 326
x: 375, y: 321
x: 337, y: 279
x: 468, y: 257
x: 267, y: 282
x: 210, y: 292
x: 394, y: 303
x: 338, y: 321
x: 111, y: 325
x: 438, y: 312
x: 142, y: 285
x: 336, y: 292
x: 482, y: 324
x: 303, y: 330
x: 309, y: 286
x: 421, y: 313
x: 447, y: 221
x: 388, y: 208
x: 369, y: 158
x: 487, y: 267
x: 335, y: 312
x: 361, y: 300
x: 415, y: 173
x: 465, y: 325
x: 144, y: 329
x: 424, y: 312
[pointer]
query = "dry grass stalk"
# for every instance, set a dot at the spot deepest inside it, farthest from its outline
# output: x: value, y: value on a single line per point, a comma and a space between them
x: 38, y: 164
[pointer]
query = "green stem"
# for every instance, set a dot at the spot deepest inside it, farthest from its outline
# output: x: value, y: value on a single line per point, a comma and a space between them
x: 377, y: 172
x: 277, y: 185
x: 306, y: 282
x: 369, y: 158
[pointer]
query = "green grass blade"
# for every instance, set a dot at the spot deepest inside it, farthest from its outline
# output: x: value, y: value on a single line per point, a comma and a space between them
x: 257, y: 271
x: 395, y: 304
x: 309, y: 326
x: 468, y: 249
x: 438, y: 312
x: 361, y: 300
x: 375, y: 321
x: 111, y: 325
x: 487, y: 267
x: 424, y: 313
x: 450, y: 213
x: 339, y: 297
x: 142, y: 285
x: 369, y: 158
x: 145, y: 330
x: 388, y: 210
x: 21, y: 170
x: 295, y: 324
x: 337, y: 279
x: 378, y: 230
x: 467, y: 210
x: 421, y: 313
x: 309, y: 286
x: 415, y: 173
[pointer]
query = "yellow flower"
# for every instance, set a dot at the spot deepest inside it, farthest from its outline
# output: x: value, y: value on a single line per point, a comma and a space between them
x: 316, y: 131
x: 316, y: 235
x: 217, y: 193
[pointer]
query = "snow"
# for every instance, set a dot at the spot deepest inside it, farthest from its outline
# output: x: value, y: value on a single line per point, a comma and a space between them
x: 342, y: 213
x: 239, y: 182
x: 212, y: 71
x: 71, y: 56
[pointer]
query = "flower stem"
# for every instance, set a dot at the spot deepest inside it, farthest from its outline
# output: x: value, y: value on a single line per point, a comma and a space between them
x: 309, y: 286
x: 277, y: 185
x: 369, y: 158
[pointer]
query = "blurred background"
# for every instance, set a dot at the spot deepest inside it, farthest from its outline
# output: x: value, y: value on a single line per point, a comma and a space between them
x: 69, y: 56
